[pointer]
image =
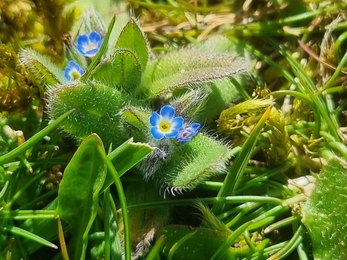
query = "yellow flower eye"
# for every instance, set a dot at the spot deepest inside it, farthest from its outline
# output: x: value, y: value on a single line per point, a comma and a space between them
x: 75, y: 75
x: 165, y: 126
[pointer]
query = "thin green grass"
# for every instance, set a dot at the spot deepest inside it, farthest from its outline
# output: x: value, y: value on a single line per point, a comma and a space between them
x: 297, y: 62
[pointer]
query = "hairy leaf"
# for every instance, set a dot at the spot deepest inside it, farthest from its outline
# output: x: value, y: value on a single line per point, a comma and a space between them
x: 188, y: 67
x: 193, y: 162
x: 96, y: 110
x: 325, y: 213
x: 134, y: 39
x: 42, y: 69
x: 121, y: 71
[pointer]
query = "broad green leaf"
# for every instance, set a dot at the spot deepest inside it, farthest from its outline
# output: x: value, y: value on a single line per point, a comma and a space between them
x: 126, y: 156
x: 187, y: 67
x: 42, y: 69
x: 96, y: 110
x: 79, y: 191
x: 134, y: 39
x: 123, y: 157
x: 120, y: 71
x: 324, y: 214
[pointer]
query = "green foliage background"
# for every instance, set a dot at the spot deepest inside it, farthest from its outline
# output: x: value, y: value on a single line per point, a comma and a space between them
x: 285, y: 129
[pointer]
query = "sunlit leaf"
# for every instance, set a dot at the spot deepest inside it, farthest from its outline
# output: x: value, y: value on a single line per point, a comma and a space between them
x: 96, y: 110
x: 188, y: 67
x: 79, y: 192
x: 121, y: 71
x: 42, y: 69
x: 133, y: 38
x: 325, y: 213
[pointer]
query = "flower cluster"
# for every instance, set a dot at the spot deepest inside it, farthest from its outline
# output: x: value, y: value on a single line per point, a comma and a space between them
x: 167, y: 125
x: 88, y: 46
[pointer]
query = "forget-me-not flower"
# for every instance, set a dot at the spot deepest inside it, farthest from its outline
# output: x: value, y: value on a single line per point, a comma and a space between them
x: 186, y: 133
x: 165, y: 124
x: 89, y: 45
x: 73, y: 71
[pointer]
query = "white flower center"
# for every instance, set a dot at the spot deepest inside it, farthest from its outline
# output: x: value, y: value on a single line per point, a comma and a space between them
x: 90, y: 46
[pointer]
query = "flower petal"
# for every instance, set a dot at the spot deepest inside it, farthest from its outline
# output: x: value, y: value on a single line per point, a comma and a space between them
x: 72, y: 70
x: 75, y: 66
x: 82, y: 39
x: 156, y: 133
x: 94, y: 37
x: 173, y: 133
x: 67, y: 73
x: 185, y: 134
x: 154, y: 119
x: 91, y: 53
x: 195, y: 127
x: 177, y: 123
x: 167, y: 111
x: 100, y: 43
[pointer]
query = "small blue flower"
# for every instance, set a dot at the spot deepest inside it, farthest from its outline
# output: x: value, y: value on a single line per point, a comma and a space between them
x: 165, y: 124
x: 185, y: 134
x: 73, y: 71
x: 89, y: 45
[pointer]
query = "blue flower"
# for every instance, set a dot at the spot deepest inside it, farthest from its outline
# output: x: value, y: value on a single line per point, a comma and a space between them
x: 89, y: 45
x: 185, y: 134
x: 73, y: 71
x: 165, y: 124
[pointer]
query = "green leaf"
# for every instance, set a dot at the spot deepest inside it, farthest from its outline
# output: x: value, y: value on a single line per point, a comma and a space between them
x: 183, y: 242
x: 236, y: 172
x: 121, y: 71
x: 137, y: 120
x: 221, y: 93
x: 35, y: 139
x: 23, y: 233
x: 125, y: 157
x: 113, y: 248
x: 324, y: 214
x: 44, y: 228
x: 134, y: 39
x: 102, y: 50
x: 199, y: 159
x: 96, y: 110
x: 41, y: 68
x: 187, y: 67
x: 143, y: 222
x: 79, y: 191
